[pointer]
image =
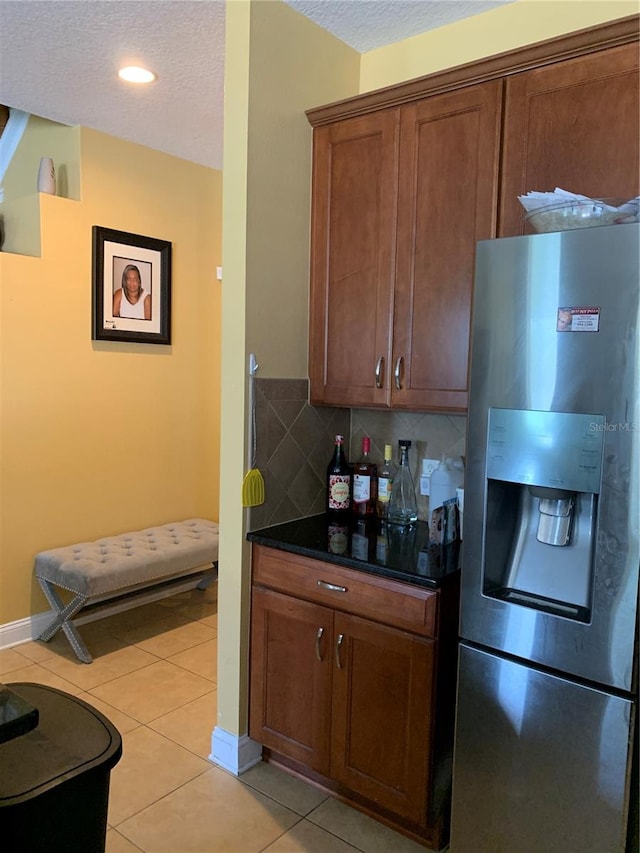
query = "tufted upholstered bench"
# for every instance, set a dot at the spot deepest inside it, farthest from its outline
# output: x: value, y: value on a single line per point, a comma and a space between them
x: 118, y: 572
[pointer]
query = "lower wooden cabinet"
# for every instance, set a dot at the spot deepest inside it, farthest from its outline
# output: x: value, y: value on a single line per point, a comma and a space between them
x: 291, y: 669
x: 380, y: 714
x: 356, y: 704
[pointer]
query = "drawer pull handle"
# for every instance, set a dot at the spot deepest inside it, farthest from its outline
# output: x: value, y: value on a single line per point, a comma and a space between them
x: 318, y: 638
x: 332, y: 586
x: 397, y: 373
x: 379, y: 366
x: 339, y: 642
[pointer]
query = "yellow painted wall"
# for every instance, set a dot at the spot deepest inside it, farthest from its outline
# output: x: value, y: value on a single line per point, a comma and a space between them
x: 99, y: 438
x: 44, y: 138
x: 20, y: 207
x: 502, y: 29
x: 283, y: 84
x: 278, y: 63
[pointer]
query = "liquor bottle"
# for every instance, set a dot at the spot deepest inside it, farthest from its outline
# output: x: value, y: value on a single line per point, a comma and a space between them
x: 338, y: 481
x: 403, y: 508
x: 365, y: 482
x: 385, y: 481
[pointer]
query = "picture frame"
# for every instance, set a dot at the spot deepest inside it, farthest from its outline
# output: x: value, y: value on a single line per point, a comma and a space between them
x: 131, y: 287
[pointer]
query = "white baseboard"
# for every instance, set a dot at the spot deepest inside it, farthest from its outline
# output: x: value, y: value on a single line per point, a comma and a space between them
x: 24, y: 630
x: 232, y: 753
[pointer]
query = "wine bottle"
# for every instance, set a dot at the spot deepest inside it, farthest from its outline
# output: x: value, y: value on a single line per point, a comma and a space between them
x: 338, y: 481
x: 365, y: 482
x: 385, y: 482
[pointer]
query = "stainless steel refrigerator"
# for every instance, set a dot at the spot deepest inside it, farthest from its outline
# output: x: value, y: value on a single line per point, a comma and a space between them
x: 545, y: 759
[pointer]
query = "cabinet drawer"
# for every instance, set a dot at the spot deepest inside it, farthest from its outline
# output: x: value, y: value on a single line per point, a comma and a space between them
x: 391, y: 602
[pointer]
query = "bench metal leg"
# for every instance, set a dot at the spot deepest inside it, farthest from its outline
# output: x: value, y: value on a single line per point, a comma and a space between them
x: 62, y: 619
x: 208, y: 579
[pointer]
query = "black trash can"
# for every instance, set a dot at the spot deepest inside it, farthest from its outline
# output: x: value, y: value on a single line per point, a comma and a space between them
x: 54, y: 780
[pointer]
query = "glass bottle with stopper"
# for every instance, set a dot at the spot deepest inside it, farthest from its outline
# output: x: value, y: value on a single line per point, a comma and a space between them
x: 403, y: 507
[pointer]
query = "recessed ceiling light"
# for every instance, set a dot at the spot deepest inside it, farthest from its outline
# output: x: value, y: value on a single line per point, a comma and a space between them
x: 136, y: 74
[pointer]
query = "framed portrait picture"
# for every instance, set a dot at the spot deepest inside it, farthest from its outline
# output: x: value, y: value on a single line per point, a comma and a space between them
x: 131, y: 287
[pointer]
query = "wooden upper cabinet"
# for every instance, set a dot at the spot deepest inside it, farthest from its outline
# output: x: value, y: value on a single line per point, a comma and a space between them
x: 352, y: 249
x: 448, y: 190
x: 406, y: 181
x: 400, y: 198
x: 572, y: 124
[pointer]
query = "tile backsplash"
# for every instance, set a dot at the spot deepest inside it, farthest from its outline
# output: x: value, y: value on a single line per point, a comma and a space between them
x: 294, y: 443
x: 431, y: 436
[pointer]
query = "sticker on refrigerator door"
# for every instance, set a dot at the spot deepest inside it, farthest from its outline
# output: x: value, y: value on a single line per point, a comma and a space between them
x: 578, y: 320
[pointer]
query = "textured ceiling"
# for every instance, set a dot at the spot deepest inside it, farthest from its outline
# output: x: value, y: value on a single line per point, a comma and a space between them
x: 367, y: 24
x: 58, y: 59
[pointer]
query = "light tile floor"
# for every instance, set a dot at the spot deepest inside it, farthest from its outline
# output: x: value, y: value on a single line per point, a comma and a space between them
x: 154, y: 677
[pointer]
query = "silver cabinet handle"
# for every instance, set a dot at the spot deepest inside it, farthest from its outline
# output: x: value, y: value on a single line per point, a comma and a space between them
x: 318, y: 638
x: 379, y: 368
x: 339, y: 642
x: 332, y: 586
x: 396, y: 373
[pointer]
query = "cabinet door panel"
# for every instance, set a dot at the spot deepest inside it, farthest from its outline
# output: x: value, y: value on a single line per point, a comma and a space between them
x: 573, y: 125
x: 290, y: 687
x: 448, y: 188
x: 382, y: 715
x: 353, y: 226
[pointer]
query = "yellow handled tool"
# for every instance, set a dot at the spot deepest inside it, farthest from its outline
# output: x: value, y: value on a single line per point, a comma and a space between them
x: 253, y: 483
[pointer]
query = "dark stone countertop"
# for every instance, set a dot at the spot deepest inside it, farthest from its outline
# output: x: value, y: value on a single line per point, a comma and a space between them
x: 403, y: 554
